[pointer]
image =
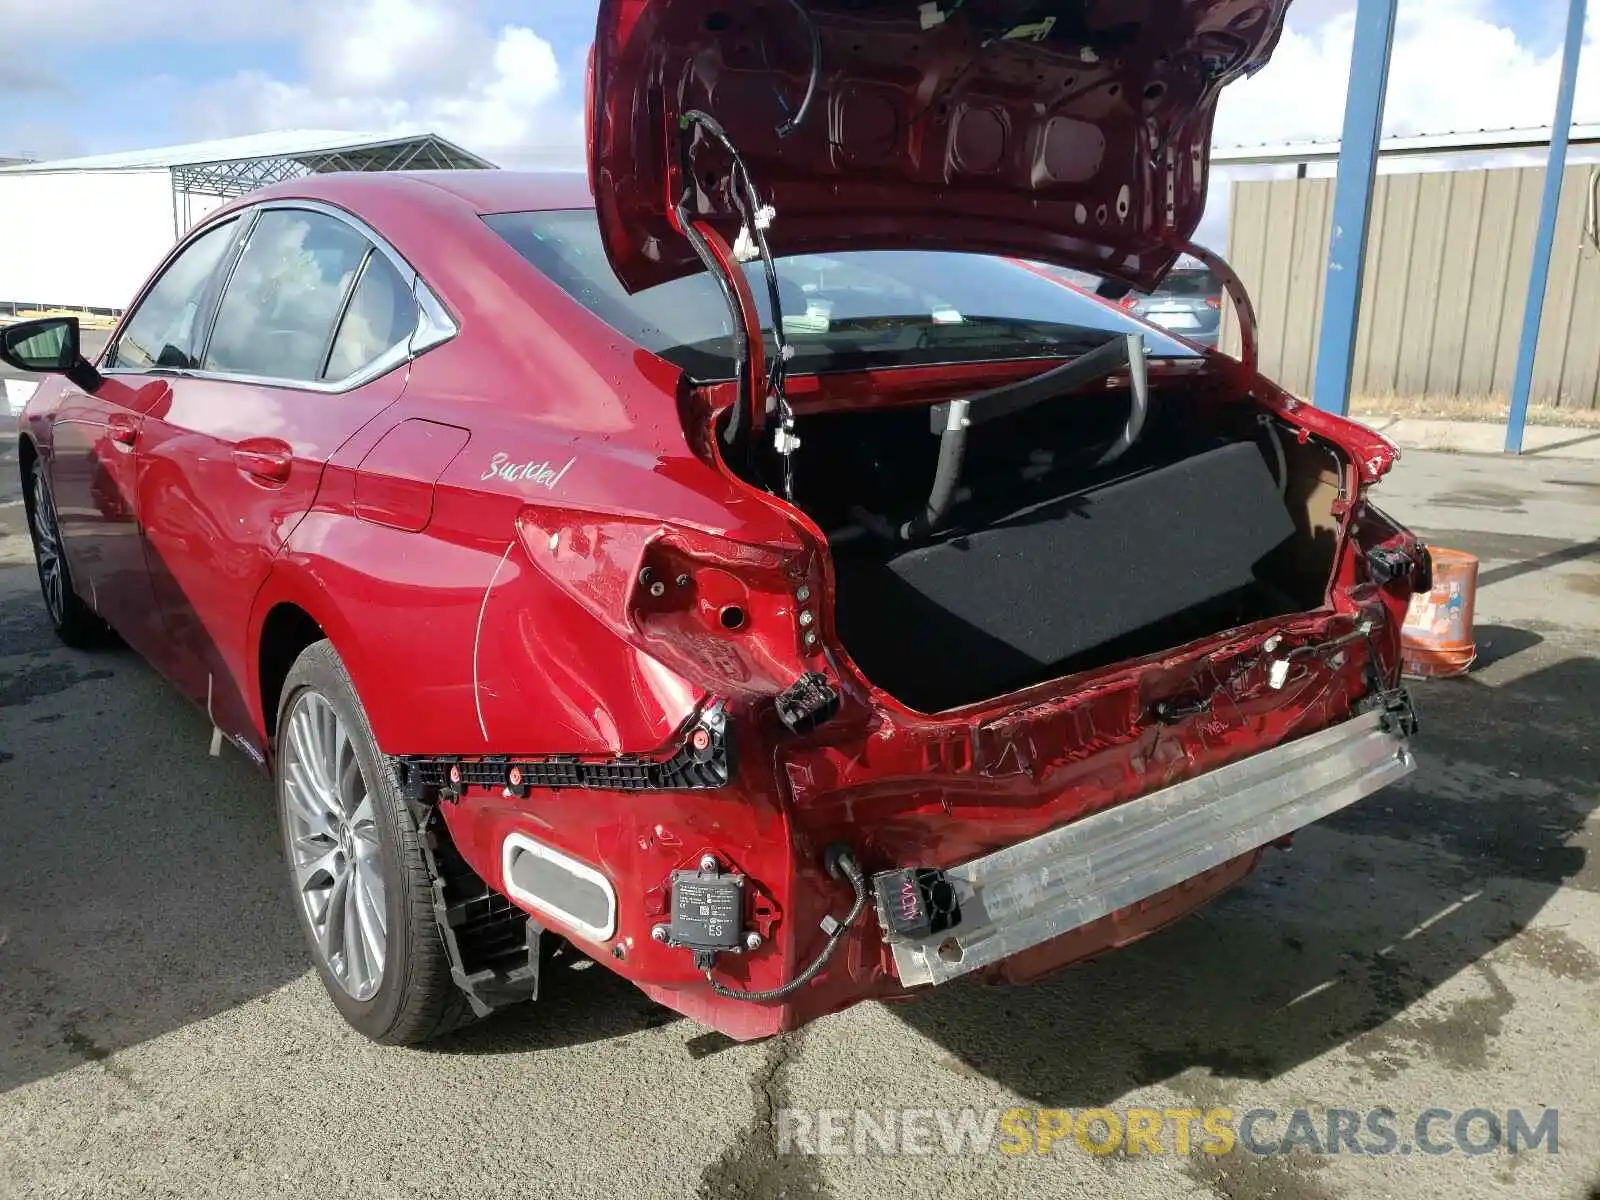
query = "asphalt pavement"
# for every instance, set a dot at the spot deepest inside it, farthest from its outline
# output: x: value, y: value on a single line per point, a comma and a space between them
x: 1436, y: 946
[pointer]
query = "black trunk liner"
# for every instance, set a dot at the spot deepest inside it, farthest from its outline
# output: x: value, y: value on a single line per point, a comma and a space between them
x: 1123, y: 568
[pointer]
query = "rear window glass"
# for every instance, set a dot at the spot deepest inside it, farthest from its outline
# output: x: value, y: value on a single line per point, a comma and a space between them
x: 846, y: 311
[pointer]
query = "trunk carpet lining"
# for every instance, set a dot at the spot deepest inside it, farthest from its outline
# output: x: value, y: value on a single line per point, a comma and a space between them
x: 979, y: 614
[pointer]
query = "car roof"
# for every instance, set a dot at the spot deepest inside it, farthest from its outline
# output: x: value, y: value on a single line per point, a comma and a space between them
x: 481, y: 191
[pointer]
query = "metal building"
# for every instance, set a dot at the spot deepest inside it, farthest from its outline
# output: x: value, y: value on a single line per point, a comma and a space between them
x: 1448, y: 257
x: 83, y: 233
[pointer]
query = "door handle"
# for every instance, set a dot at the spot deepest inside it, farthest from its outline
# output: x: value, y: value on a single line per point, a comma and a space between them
x: 267, y: 464
x: 122, y: 433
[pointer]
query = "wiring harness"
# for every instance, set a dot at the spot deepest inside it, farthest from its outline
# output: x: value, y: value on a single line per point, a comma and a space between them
x: 840, y: 864
x: 751, y: 243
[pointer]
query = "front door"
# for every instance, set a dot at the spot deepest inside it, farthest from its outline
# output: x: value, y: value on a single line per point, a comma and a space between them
x: 93, y: 470
x: 309, y: 343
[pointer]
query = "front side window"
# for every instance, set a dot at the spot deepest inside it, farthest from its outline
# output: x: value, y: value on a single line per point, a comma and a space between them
x: 847, y: 311
x: 162, y: 330
x: 277, y: 315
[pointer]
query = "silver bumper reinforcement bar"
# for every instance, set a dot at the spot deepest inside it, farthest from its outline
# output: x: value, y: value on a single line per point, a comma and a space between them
x: 1036, y: 890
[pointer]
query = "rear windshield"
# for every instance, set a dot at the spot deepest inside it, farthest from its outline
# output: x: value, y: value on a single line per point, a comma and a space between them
x: 848, y: 311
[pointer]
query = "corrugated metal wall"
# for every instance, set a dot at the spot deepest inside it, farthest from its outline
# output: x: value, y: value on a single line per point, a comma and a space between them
x: 1446, y: 278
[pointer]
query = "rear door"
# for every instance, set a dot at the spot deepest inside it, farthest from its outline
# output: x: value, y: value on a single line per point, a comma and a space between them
x: 310, y: 341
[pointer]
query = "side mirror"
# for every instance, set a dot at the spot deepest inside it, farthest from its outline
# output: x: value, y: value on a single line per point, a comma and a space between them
x: 49, y: 345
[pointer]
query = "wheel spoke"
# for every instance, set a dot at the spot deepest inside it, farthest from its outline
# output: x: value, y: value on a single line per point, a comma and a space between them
x: 358, y: 968
x: 352, y: 788
x: 363, y: 824
x: 370, y: 920
x: 303, y: 734
x: 322, y: 862
x: 306, y: 804
x: 327, y: 744
x: 331, y: 933
x: 370, y: 881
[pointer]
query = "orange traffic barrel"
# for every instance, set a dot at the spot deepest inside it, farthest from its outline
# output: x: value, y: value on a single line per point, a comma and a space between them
x: 1436, y: 639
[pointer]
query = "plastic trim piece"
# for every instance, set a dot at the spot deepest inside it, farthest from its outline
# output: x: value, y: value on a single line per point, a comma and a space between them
x: 1029, y: 893
x: 521, y: 843
x: 701, y: 758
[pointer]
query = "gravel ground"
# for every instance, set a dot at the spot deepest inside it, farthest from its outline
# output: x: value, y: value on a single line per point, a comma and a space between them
x: 1437, y: 945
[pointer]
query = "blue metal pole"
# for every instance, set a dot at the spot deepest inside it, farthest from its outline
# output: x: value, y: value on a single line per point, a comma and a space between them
x: 1352, y: 202
x: 1554, y: 169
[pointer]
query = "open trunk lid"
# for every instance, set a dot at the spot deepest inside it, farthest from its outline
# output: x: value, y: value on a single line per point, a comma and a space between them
x: 1071, y: 131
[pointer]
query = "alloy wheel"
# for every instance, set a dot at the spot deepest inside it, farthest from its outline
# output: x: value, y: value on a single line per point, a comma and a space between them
x: 47, y: 548
x: 333, y: 845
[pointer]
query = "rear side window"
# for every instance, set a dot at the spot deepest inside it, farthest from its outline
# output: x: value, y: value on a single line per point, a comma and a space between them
x: 382, y: 313
x: 278, y: 313
x: 162, y: 330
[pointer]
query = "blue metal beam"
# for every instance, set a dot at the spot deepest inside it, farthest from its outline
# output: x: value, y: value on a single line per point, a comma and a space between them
x: 1352, y: 202
x: 1554, y: 169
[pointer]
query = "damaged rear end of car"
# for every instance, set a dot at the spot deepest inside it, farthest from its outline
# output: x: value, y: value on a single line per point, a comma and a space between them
x: 1007, y: 628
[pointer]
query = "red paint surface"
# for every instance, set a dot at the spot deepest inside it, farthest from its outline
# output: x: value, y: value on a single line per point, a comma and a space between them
x: 1089, y: 146
x: 508, y: 617
x: 395, y: 481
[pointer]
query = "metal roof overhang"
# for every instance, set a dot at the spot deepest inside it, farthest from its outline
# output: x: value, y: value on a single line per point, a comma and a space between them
x: 228, y: 178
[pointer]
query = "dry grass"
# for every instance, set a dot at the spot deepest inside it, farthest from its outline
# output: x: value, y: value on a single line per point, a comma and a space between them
x: 1485, y: 409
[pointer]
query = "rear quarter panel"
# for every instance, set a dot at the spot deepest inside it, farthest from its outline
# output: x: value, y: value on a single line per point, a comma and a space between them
x: 457, y: 642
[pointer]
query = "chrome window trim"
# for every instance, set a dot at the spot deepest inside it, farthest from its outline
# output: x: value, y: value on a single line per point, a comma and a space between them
x: 245, y: 221
x: 435, y: 324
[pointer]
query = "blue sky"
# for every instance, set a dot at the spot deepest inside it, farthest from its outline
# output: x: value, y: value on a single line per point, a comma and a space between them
x: 96, y: 81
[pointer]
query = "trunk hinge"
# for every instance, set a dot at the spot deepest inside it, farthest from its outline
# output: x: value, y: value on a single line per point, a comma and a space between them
x: 761, y: 381
x: 1243, y: 310
x: 749, y: 344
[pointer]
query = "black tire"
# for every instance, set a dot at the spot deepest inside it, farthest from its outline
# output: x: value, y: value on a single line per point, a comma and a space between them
x: 74, y: 621
x: 416, y: 1000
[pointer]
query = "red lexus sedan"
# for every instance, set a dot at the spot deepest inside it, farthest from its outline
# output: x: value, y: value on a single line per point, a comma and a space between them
x: 732, y: 564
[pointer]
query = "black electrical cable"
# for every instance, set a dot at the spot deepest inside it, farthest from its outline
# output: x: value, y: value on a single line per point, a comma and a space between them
x: 739, y: 176
x: 744, y: 189
x: 793, y: 122
x: 839, y: 862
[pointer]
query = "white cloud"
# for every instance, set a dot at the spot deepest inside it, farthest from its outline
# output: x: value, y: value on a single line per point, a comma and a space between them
x: 397, y: 66
x: 1455, y: 67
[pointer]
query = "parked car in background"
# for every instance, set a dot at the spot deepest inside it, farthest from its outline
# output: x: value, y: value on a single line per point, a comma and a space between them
x: 734, y: 566
x: 1187, y: 302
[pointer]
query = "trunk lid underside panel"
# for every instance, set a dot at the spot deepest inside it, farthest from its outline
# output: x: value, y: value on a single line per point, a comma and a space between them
x: 1075, y: 131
